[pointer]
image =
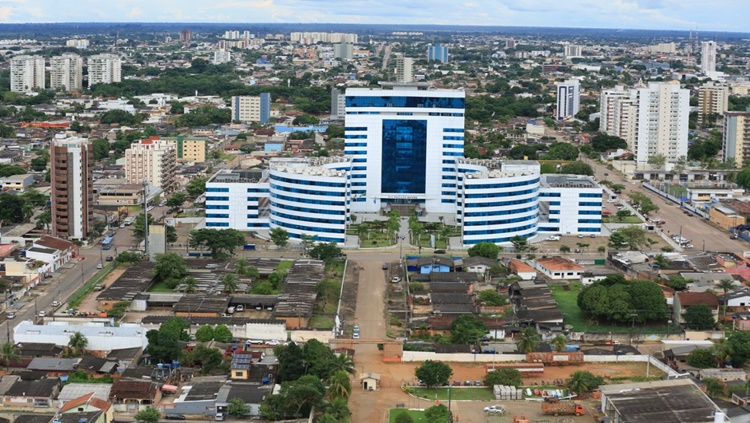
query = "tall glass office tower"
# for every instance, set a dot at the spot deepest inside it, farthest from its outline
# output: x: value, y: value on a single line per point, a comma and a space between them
x: 404, y: 141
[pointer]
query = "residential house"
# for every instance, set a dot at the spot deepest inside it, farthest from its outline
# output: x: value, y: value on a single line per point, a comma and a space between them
x: 685, y: 300
x: 523, y: 270
x: 89, y: 403
x: 54, y: 367
x: 17, y: 182
x: 97, y: 366
x: 434, y: 264
x: 478, y: 264
x: 93, y: 416
x: 75, y: 390
x: 251, y: 393
x: 131, y: 396
x: 559, y: 268
x: 40, y: 392
x: 739, y: 298
x: 724, y: 375
x: 125, y: 357
x: 67, y: 250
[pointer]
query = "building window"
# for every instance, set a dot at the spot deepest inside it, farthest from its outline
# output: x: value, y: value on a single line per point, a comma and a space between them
x: 404, y: 156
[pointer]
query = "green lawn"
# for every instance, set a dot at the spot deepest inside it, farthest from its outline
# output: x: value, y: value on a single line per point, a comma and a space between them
x: 468, y: 393
x: 567, y: 301
x: 627, y: 219
x: 321, y: 322
x: 416, y: 415
x: 285, y: 265
x: 160, y: 287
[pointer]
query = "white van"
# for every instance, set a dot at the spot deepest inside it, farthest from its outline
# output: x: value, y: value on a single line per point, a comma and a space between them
x: 219, y: 417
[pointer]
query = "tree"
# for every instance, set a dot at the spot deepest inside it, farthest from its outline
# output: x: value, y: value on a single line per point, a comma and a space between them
x: 204, y: 334
x: 11, y: 208
x: 339, y: 385
x: 504, y: 376
x: 206, y: 357
x: 699, y: 317
x: 279, y: 236
x: 196, y: 187
x: 701, y: 358
x: 262, y: 288
x: 241, y: 267
x: 622, y: 214
x: 485, y: 249
x: 438, y: 414
x: 238, y: 408
x: 230, y: 283
x: 128, y: 257
x: 101, y: 149
x: 338, y: 409
x: 328, y: 290
x: 529, y: 340
x: 582, y: 381
x: 633, y: 235
x: 35, y: 198
x: 739, y: 342
x: 44, y: 219
x: 617, y: 240
x: 223, y: 334
x: 520, y: 244
x: 294, y: 400
x: 139, y: 228
x: 492, y: 298
x: 403, y: 417
x: 77, y: 343
x: 677, y: 282
x: 221, y: 242
x: 467, y: 329
x: 433, y: 373
x: 190, y: 285
x: 341, y: 363
x: 714, y: 387
x: 149, y: 415
x: 604, y: 142
x: 176, y: 200
x: 561, y: 151
x: 169, y: 266
x: 9, y: 354
x: 327, y: 252
x: 564, y: 249
x: 578, y: 168
x: 177, y: 327
x: 559, y: 343
x: 291, y: 363
x: 657, y: 161
x: 726, y: 285
x: 615, y: 299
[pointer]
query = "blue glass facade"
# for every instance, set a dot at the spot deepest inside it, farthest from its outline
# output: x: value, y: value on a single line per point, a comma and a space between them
x: 397, y: 101
x: 404, y: 156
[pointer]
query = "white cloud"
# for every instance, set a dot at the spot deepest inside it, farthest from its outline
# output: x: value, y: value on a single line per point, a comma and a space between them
x: 135, y: 12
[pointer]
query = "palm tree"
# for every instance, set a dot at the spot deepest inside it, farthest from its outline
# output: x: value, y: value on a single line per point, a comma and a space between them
x: 529, y: 340
x: 362, y: 230
x: 230, y: 283
x: 579, y: 382
x: 241, y: 267
x: 44, y: 219
x: 564, y: 249
x: 191, y: 285
x: 9, y: 354
x: 726, y: 285
x: 337, y: 409
x: 339, y: 385
x: 342, y: 363
x: 722, y: 351
x: 560, y: 342
x: 78, y: 343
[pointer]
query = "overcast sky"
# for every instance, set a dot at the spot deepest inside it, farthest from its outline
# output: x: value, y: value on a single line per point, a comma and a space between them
x: 705, y: 15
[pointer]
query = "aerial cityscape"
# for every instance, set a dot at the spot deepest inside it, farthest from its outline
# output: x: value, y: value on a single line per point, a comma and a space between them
x: 300, y: 211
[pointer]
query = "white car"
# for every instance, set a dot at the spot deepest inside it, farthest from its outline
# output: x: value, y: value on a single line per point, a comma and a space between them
x: 494, y: 409
x: 355, y: 335
x: 554, y: 238
x: 273, y: 342
x: 396, y: 279
x: 240, y: 308
x: 55, y: 303
x: 42, y: 313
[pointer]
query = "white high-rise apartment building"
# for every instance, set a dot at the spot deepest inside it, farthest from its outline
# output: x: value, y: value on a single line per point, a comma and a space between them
x: 104, y: 69
x: 737, y: 138
x: 77, y: 43
x: 662, y: 128
x: 222, y: 56
x: 153, y: 160
x: 72, y: 187
x: 66, y: 72
x: 26, y: 73
x: 326, y: 37
x: 653, y: 120
x: 568, y: 98
x: 708, y: 57
x: 404, y: 69
x: 338, y: 104
x: 573, y: 50
x: 713, y: 99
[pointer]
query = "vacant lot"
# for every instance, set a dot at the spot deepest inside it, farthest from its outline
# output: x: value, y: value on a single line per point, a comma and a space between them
x: 457, y: 393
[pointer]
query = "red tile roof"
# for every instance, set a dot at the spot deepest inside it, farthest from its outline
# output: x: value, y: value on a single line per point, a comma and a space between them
x: 559, y: 263
x: 688, y: 299
x: 55, y: 243
x: 76, y: 402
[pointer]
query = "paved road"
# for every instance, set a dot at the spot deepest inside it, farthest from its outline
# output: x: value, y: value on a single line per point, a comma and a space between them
x: 698, y: 230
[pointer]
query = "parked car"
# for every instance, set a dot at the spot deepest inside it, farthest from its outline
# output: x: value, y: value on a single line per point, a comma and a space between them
x: 219, y: 417
x: 494, y: 409
x: 355, y: 336
x: 273, y: 342
x: 42, y: 313
x: 240, y: 308
x: 174, y: 417
x: 11, y: 315
x: 396, y: 279
x: 55, y: 303
x: 99, y: 266
x: 554, y: 238
x: 385, y: 266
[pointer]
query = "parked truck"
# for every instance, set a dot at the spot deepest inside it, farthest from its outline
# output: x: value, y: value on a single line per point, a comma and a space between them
x: 562, y: 408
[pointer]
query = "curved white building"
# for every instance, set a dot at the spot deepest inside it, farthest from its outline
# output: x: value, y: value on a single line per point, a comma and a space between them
x: 499, y: 201
x: 310, y: 197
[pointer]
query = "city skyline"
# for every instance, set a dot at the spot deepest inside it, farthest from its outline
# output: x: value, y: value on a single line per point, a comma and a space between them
x: 618, y: 14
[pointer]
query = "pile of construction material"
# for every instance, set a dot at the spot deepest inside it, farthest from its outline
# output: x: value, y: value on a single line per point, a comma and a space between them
x: 507, y: 393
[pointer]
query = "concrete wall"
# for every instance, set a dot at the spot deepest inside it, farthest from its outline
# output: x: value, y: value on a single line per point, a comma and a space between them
x: 305, y: 335
x: 191, y: 407
x: 410, y: 356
